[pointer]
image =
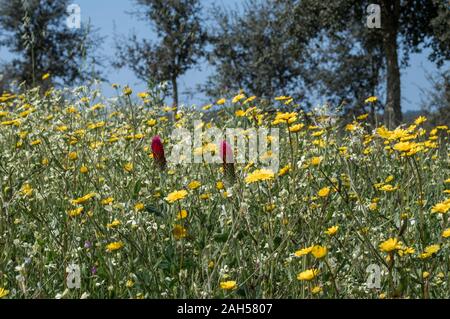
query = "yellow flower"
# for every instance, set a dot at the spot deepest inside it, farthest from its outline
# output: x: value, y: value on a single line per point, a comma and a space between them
x: 404, y: 146
x: 205, y: 196
x: 390, y: 245
x: 207, y: 107
x: 139, y: 206
x: 107, y: 201
x: 319, y: 251
x: 388, y: 188
x: 114, y: 246
x: 259, y: 175
x: 219, y: 185
x: 238, y: 97
x: 128, y: 167
x: 27, y: 190
x: 83, y: 169
x: 446, y: 233
x: 332, y: 230
x: 420, y: 120
x: 239, y: 113
x: 282, y: 98
x: 315, y: 290
x: 182, y: 214
x: 151, y: 122
x: 45, y: 76
x: 176, y: 195
x: 36, y: 142
x: 221, y: 102
x: 194, y: 185
x: 430, y: 250
x: 296, y: 128
x: 127, y: 91
x: 75, y: 212
x: 324, y: 192
x: 363, y: 117
x: 129, y: 283
x: 83, y: 199
x: 371, y: 99
x: 179, y: 232
x: 3, y: 292
x: 316, y: 160
x: 283, y: 171
x: 304, y: 251
x: 73, y: 156
x: 308, y: 275
x: 441, y: 208
x: 143, y: 95
x: 114, y: 223
x: 228, y: 285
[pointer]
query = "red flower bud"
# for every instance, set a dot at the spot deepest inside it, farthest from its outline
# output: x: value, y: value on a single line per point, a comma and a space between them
x: 226, y: 153
x: 158, y: 152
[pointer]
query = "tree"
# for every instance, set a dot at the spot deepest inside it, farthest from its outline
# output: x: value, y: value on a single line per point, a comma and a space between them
x: 411, y: 25
x: 254, y: 51
x: 181, y: 42
x: 436, y: 101
x: 35, y: 33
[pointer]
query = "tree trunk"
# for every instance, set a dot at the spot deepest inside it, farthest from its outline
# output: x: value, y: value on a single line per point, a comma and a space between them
x: 175, y: 94
x: 390, y: 21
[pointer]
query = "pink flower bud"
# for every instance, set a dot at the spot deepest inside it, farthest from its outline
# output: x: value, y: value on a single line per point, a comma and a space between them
x: 226, y: 153
x: 158, y: 151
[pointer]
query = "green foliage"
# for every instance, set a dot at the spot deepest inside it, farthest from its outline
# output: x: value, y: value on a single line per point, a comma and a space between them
x: 181, y: 42
x: 35, y: 32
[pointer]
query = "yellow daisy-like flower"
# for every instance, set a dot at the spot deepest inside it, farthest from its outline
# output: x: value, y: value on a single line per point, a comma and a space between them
x: 283, y: 171
x: 332, y: 230
x: 3, y: 292
x: 176, y: 196
x: 389, y: 245
x: 238, y: 97
x: 220, y: 185
x: 75, y: 212
x: 371, y: 99
x: 315, y: 290
x: 259, y: 175
x: 83, y: 169
x: 324, y: 192
x: 182, y: 214
x: 429, y: 251
x: 315, y: 161
x: 139, y: 206
x: 388, y: 188
x: 194, y: 185
x: 228, y: 285
x: 221, y: 102
x: 128, y: 167
x: 308, y: 275
x: 27, y: 190
x: 304, y: 251
x: 441, y: 208
x: 83, y: 199
x: 107, y: 201
x: 446, y: 233
x: 114, y: 246
x: 296, y: 128
x: 114, y: 223
x: 420, y: 120
x: 319, y: 251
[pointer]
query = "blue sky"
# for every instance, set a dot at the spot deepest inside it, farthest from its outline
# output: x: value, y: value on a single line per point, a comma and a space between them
x: 105, y: 14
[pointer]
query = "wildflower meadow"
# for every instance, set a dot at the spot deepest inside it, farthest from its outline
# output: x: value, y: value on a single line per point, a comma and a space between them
x: 94, y: 205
